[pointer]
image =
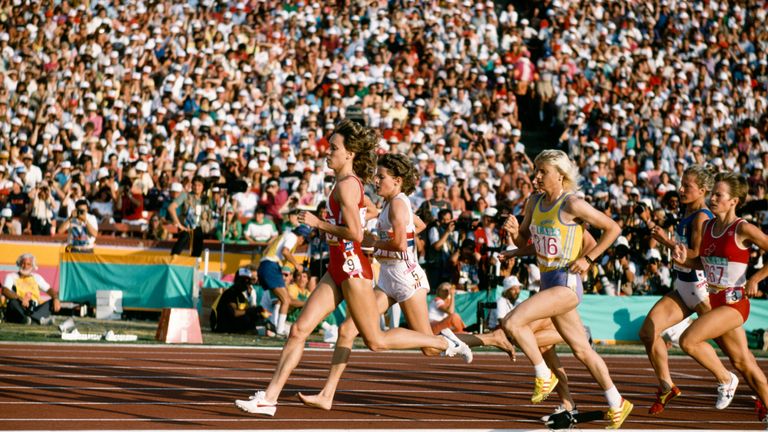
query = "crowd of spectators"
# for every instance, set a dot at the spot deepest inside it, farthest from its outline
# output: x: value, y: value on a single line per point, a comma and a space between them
x: 124, y: 103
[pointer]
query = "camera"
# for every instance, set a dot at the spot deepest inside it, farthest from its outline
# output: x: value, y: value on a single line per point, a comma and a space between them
x: 463, y: 224
x: 639, y: 208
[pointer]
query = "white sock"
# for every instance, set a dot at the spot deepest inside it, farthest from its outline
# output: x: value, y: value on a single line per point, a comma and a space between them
x: 275, y: 313
x: 281, y: 323
x: 394, y: 315
x: 542, y: 371
x: 382, y: 323
x: 613, y: 397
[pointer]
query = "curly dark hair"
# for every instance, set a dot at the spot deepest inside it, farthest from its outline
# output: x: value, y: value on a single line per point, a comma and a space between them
x: 400, y: 166
x: 361, y: 141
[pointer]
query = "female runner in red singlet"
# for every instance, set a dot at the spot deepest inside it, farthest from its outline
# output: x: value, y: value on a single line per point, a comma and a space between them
x: 724, y: 256
x: 349, y: 275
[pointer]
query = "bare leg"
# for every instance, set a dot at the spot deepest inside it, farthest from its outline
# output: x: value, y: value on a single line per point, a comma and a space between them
x: 549, y: 303
x: 417, y: 315
x: 569, y: 326
x: 712, y: 324
x: 496, y: 338
x: 667, y: 312
x: 562, y: 389
x: 347, y: 334
x: 734, y: 344
x: 321, y: 302
x: 361, y: 306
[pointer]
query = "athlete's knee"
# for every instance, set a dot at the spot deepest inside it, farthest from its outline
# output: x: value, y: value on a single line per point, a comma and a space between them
x: 648, y: 332
x: 375, y: 344
x: 688, y: 343
x: 347, y: 331
x: 510, y: 325
x: 583, y: 352
x: 300, y: 330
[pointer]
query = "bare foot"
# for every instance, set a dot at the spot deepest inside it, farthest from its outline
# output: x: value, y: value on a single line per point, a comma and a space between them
x: 316, y: 401
x: 501, y: 342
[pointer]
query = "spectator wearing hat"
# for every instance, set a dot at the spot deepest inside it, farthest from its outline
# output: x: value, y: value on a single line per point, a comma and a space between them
x: 194, y: 208
x: 507, y: 301
x: 34, y: 174
x: 593, y: 183
x: 8, y: 225
x: 81, y: 227
x: 273, y: 199
x: 429, y: 209
x: 43, y: 210
x: 23, y: 289
x: 130, y: 203
x: 277, y: 255
x: 175, y: 190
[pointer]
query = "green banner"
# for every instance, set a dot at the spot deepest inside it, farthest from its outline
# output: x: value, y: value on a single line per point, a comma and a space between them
x: 146, y: 282
x: 610, y: 319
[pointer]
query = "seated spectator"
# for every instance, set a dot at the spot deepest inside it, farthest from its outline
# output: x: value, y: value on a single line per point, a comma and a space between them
x: 259, y: 229
x: 103, y: 207
x: 298, y: 289
x: 507, y: 301
x: 156, y: 230
x: 130, y: 204
x: 232, y: 311
x: 442, y: 310
x: 22, y: 289
x: 8, y: 225
x: 234, y: 229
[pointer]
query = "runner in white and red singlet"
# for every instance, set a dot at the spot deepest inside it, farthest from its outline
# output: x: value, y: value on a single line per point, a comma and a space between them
x: 349, y: 275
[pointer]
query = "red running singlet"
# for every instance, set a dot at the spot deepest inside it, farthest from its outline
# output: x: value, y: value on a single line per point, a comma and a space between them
x: 346, y: 259
x: 725, y: 265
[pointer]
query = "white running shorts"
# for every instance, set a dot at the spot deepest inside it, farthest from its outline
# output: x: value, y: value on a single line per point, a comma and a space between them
x: 692, y: 293
x: 400, y: 281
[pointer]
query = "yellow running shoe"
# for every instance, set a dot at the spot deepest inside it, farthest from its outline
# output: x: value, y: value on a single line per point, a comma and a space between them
x: 543, y: 387
x: 617, y: 416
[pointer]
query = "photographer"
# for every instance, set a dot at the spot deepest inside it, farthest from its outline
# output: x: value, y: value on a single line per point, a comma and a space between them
x: 81, y: 228
x: 195, y: 209
x: 440, y: 246
x: 232, y: 312
x: 43, y: 209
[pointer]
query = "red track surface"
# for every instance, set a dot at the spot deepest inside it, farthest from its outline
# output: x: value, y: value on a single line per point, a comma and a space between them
x: 97, y: 387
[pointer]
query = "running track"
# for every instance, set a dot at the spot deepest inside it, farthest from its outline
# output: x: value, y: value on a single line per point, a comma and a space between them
x: 139, y: 387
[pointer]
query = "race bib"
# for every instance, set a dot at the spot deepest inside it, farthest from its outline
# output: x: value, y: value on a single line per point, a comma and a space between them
x: 352, y: 265
x: 733, y: 295
x: 547, y: 242
x: 716, y: 269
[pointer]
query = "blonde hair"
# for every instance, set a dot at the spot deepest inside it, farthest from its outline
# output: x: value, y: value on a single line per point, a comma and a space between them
x: 703, y: 176
x: 563, y: 164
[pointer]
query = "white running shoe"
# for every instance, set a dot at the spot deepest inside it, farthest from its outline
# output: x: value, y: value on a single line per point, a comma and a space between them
x: 558, y: 410
x: 725, y: 392
x: 456, y: 346
x: 257, y: 404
